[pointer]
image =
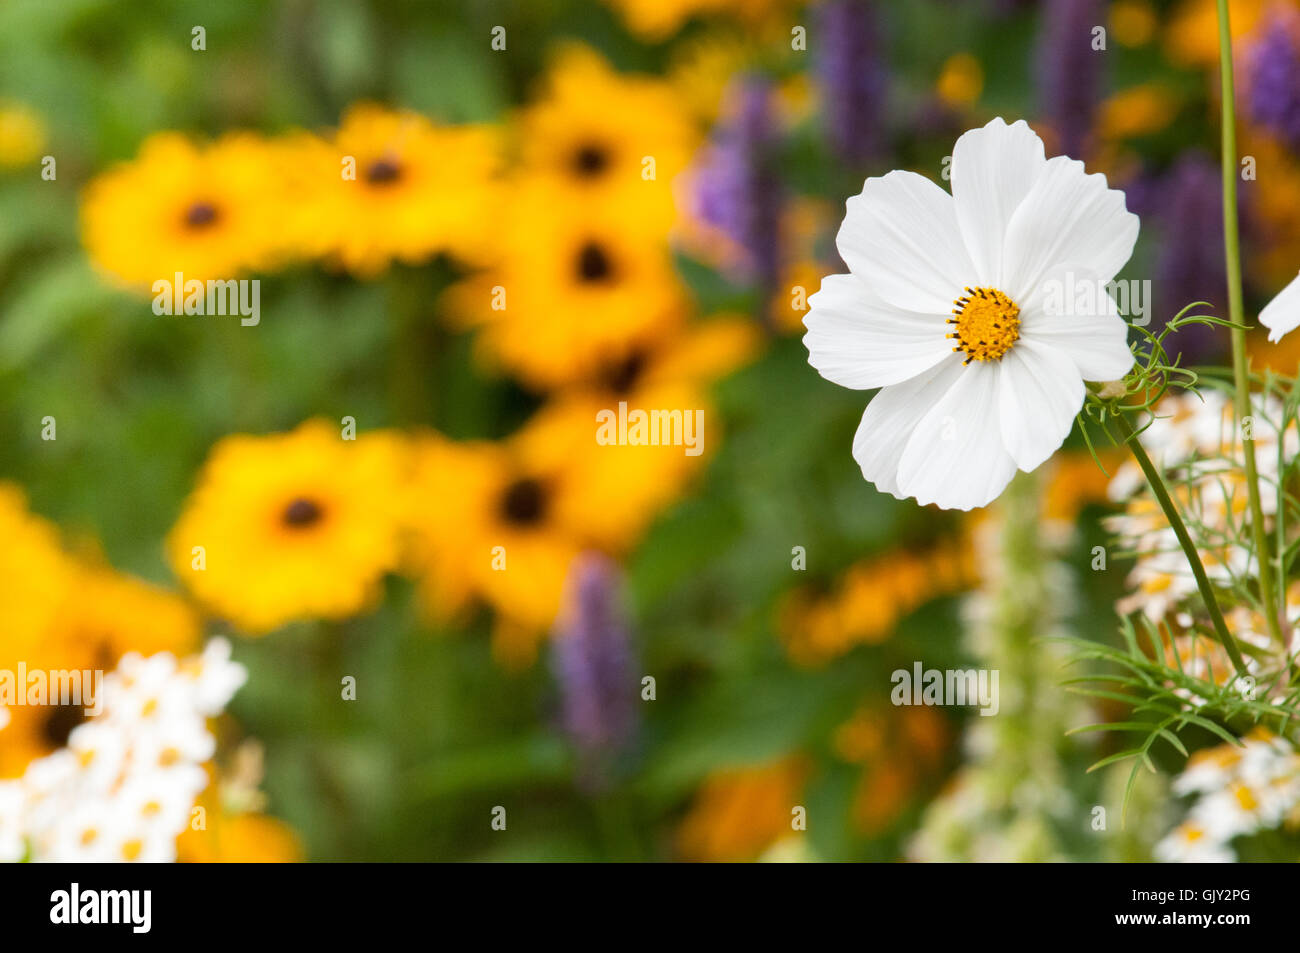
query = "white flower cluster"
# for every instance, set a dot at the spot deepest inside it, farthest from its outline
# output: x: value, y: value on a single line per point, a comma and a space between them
x: 1195, y: 441
x: 124, y: 787
x: 1239, y: 791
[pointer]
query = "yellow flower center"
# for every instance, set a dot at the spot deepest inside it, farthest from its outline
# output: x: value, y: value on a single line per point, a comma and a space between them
x: 1245, y: 797
x: 987, y: 322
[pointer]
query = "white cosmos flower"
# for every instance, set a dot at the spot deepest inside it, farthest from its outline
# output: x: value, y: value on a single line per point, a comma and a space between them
x: 1282, y: 314
x: 994, y: 269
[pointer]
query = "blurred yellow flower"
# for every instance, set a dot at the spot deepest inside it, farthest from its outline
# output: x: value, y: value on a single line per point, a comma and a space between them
x: 36, y: 571
x: 1275, y: 210
x: 291, y: 526
x: 61, y: 614
x: 656, y: 20
x: 1137, y: 111
x: 1075, y: 480
x: 205, y: 211
x: 738, y: 813
x: 961, y: 80
x: 393, y: 185
x: 107, y: 614
x: 1281, y: 357
x: 702, y: 67
x: 234, y: 828
x: 805, y: 224
x: 1133, y: 22
x: 240, y: 839
x: 614, y: 490
x: 1193, y: 36
x: 898, y: 749
x: 483, y: 527
x: 869, y: 600
x: 22, y: 135
x: 576, y: 290
x: 613, y: 141
x: 795, y: 100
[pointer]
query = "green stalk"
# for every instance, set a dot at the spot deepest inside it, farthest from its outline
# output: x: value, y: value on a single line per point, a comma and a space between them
x: 1240, y: 373
x: 1161, y: 491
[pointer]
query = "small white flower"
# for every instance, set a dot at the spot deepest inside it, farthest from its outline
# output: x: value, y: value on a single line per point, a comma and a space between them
x: 1282, y: 314
x: 86, y: 833
x: 1189, y: 843
x: 1208, y: 771
x: 1236, y: 810
x: 952, y: 308
x: 162, y: 800
x: 218, y: 678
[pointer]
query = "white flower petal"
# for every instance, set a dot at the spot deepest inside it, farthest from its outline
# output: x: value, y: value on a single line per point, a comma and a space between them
x: 1073, y: 312
x: 859, y: 341
x: 1039, y: 394
x: 890, y: 419
x: 900, y: 238
x: 993, y: 170
x: 955, y: 457
x: 1067, y: 217
x: 1282, y: 314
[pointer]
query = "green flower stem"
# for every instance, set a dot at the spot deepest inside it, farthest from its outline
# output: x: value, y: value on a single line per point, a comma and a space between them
x: 1240, y: 373
x: 1166, y: 502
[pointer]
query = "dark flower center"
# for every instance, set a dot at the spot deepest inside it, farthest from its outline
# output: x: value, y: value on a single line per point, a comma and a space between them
x: 302, y: 513
x: 201, y: 215
x: 594, y: 264
x: 524, y: 502
x: 59, y: 723
x: 590, y: 160
x: 383, y: 172
x: 622, y: 377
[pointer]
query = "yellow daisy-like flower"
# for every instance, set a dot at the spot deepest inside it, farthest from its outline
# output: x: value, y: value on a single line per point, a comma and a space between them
x: 1137, y: 111
x: 36, y: 571
x: 205, y: 211
x: 485, y: 528
x: 576, y: 290
x: 392, y: 185
x: 702, y: 67
x: 961, y: 80
x: 656, y: 20
x: 34, y: 730
x: 1133, y: 22
x: 291, y: 526
x: 1193, y: 36
x: 738, y: 812
x: 109, y: 614
x: 616, y: 489
x: 59, y: 614
x: 898, y: 749
x: 240, y: 839
x: 236, y: 829
x: 99, y: 617
x: 22, y: 135
x: 615, y: 140
x: 869, y: 600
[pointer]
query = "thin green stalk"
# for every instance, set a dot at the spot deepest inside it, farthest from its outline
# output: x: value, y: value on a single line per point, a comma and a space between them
x: 1240, y: 373
x: 1161, y: 491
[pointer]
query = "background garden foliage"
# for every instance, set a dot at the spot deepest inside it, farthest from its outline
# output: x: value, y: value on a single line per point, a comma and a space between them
x: 522, y: 169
